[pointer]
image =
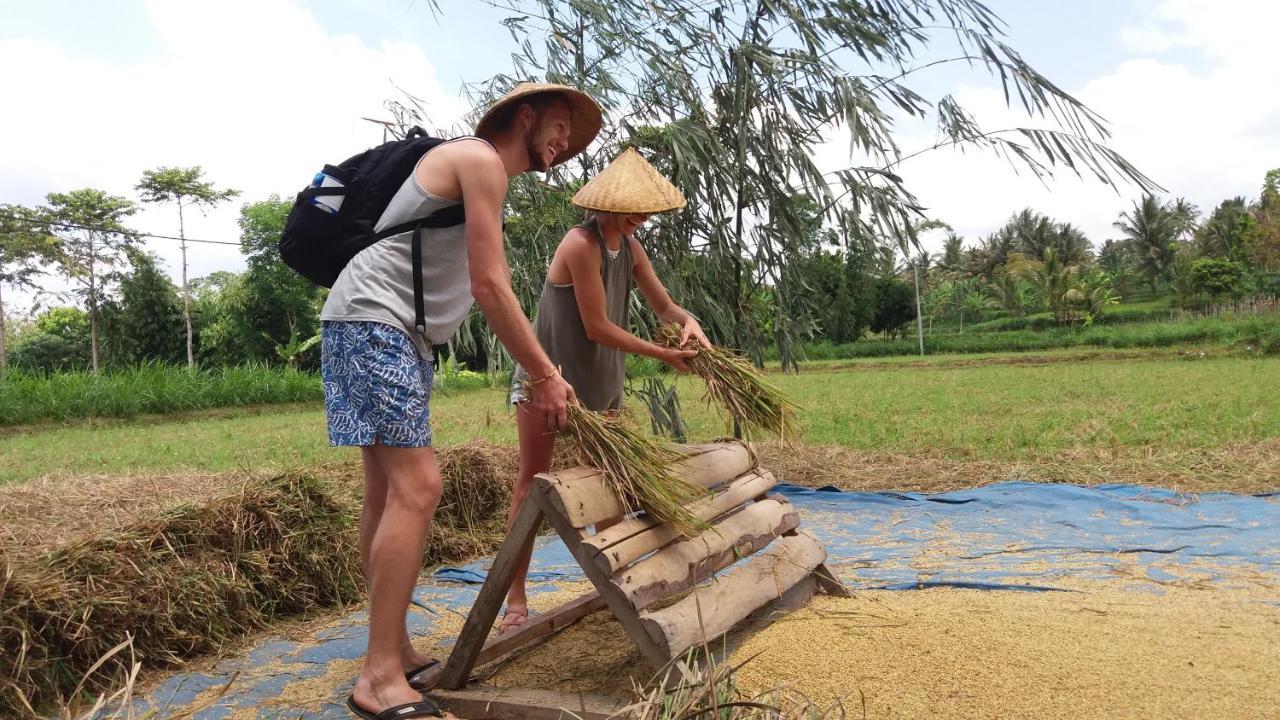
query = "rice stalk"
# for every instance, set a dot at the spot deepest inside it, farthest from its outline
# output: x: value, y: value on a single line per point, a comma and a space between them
x: 638, y: 468
x: 736, y: 385
x: 697, y: 686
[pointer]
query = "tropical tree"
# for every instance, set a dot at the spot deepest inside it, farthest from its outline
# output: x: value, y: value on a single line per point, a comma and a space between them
x: 185, y: 188
x: 25, y: 247
x: 895, y: 306
x: 1010, y: 293
x: 92, y: 240
x: 952, y: 259
x: 57, y: 341
x: 1056, y: 283
x: 267, y: 305
x: 1217, y: 276
x: 747, y: 90
x: 145, y: 323
x: 1262, y: 242
x: 1223, y: 234
x: 1151, y: 229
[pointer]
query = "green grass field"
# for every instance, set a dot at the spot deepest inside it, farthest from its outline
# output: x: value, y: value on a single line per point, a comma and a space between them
x: 1005, y: 408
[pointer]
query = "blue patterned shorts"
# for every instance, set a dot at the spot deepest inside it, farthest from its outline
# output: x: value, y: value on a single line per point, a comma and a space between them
x: 376, y: 386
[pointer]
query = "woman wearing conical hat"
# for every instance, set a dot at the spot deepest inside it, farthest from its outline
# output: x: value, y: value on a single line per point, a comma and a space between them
x: 582, y: 316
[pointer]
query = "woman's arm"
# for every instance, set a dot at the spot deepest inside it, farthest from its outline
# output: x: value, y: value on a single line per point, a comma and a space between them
x: 659, y: 300
x: 581, y: 255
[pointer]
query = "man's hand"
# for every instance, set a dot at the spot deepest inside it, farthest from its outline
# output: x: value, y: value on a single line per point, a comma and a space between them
x: 693, y: 330
x: 550, y: 398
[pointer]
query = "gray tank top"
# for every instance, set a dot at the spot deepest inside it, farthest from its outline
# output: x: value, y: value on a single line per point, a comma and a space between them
x: 377, y: 285
x: 596, y: 372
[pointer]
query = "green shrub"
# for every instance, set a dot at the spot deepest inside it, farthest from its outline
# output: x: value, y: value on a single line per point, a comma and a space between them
x: 27, y: 397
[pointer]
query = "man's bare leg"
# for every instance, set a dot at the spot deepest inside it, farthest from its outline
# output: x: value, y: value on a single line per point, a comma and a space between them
x: 536, y: 448
x: 375, y: 499
x: 393, y: 560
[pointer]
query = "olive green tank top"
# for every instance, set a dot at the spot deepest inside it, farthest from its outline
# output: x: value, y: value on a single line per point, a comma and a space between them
x: 596, y: 372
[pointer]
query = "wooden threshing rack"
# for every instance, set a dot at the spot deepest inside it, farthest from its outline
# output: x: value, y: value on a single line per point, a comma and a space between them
x: 635, y: 565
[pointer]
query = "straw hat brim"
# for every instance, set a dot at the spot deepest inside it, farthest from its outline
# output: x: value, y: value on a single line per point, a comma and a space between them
x: 629, y: 185
x: 585, y: 117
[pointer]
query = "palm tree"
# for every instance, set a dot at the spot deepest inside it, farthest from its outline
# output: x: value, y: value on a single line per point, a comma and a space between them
x: 1070, y: 244
x: 1055, y: 281
x: 952, y: 259
x: 1006, y: 291
x: 1151, y: 229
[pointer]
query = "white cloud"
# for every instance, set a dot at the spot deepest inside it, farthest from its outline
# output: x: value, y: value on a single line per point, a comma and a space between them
x: 255, y: 91
x: 1206, y: 134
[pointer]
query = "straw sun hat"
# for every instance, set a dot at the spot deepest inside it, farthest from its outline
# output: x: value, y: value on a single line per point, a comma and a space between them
x: 584, y: 122
x: 629, y: 185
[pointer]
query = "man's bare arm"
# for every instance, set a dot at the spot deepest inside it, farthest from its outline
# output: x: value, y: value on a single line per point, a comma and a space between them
x: 484, y: 186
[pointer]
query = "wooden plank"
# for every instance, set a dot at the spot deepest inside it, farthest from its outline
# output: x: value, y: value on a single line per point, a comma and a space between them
x: 534, y: 628
x: 724, y: 603
x: 686, y: 563
x: 485, y: 609
x: 618, y: 546
x: 829, y: 583
x: 618, y: 603
x: 584, y: 498
x: 479, y: 702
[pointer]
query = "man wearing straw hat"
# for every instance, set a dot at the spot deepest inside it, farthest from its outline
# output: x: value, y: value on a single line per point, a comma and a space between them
x: 582, y: 316
x: 376, y: 359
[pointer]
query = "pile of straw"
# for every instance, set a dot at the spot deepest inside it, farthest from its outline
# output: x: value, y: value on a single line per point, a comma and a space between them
x: 736, y: 385
x: 217, y: 558
x: 637, y: 466
x: 184, y: 580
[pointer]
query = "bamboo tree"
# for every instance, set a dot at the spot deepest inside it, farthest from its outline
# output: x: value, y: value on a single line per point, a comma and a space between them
x: 185, y: 188
x: 743, y: 93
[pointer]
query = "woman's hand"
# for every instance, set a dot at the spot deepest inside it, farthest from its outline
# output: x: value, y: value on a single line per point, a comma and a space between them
x: 692, y: 329
x: 676, y: 358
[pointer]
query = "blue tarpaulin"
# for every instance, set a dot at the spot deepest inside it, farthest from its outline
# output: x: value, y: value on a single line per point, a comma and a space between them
x: 1015, y: 536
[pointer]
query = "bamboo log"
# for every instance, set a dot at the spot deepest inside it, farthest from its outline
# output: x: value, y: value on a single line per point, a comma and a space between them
x: 584, y: 498
x: 686, y: 563
x: 710, y: 611
x: 619, y: 545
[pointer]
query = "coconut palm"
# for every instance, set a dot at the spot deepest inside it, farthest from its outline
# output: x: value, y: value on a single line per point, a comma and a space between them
x: 1055, y: 280
x: 1151, y: 228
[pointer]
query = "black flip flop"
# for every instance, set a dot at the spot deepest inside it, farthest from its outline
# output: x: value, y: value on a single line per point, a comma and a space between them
x: 411, y: 674
x: 420, y: 709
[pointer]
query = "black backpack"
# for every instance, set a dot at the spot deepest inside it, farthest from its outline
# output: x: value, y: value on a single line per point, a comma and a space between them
x: 319, y: 243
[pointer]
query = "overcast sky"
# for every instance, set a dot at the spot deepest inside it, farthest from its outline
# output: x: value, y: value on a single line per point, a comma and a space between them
x: 262, y: 92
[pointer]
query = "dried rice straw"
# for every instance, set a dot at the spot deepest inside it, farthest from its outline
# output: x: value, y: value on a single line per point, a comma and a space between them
x: 736, y: 385
x: 637, y: 466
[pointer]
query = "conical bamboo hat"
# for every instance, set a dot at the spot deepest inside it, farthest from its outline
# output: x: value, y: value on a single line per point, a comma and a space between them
x: 629, y: 185
x: 584, y: 114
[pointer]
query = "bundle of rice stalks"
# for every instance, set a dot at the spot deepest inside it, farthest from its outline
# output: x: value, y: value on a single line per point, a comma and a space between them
x: 637, y: 466
x: 736, y: 385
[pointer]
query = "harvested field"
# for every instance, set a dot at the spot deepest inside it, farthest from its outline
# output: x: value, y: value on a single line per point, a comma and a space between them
x: 1250, y: 467
x: 189, y: 564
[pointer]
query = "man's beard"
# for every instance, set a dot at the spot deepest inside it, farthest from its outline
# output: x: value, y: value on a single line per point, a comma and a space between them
x: 537, y: 160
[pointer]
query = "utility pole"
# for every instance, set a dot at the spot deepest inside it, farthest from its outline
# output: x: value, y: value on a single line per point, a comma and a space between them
x: 915, y: 272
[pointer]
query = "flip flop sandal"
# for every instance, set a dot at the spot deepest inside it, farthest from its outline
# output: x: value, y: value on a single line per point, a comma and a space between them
x: 504, y: 626
x: 420, y: 709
